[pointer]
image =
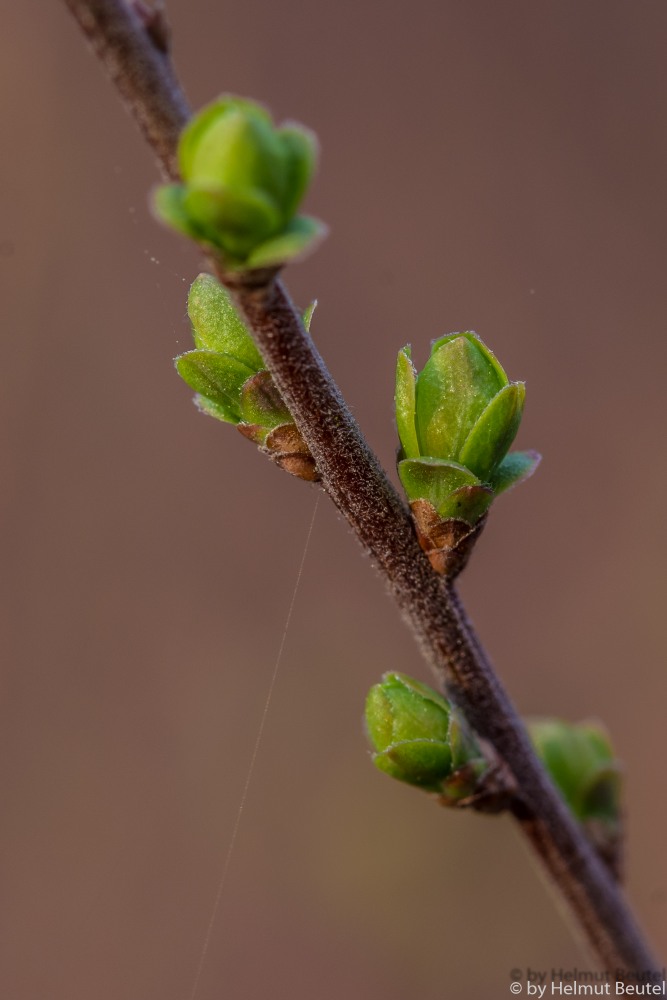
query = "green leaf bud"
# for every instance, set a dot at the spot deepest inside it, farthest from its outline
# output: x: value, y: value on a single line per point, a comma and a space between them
x: 243, y: 180
x: 456, y: 421
x: 227, y: 373
x: 581, y: 762
x: 419, y: 738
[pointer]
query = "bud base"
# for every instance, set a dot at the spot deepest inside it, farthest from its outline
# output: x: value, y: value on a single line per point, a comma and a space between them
x: 285, y: 446
x: 448, y: 542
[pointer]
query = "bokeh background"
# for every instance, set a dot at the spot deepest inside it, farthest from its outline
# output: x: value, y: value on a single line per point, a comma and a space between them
x: 499, y: 167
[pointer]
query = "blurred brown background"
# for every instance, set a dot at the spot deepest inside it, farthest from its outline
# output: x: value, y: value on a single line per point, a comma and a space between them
x: 491, y: 166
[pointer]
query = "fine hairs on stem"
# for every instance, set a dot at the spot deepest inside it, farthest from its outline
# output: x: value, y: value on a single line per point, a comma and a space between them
x: 354, y: 480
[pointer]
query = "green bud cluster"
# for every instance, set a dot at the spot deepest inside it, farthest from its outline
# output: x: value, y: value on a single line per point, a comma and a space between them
x: 228, y: 375
x: 419, y: 738
x: 456, y: 421
x: 243, y: 180
x: 581, y: 761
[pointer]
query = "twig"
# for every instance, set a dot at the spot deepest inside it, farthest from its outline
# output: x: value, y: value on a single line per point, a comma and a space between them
x: 140, y: 70
x: 360, y: 489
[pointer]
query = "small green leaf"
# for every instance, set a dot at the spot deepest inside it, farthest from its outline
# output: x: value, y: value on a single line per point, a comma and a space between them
x: 401, y: 708
x: 493, y: 433
x: 299, y: 238
x: 491, y: 359
x: 234, y: 220
x: 216, y: 324
x: 168, y: 205
x: 262, y: 404
x: 238, y: 150
x: 419, y: 762
x: 455, y: 386
x: 218, y: 377
x: 300, y: 146
x: 468, y: 503
x: 434, y: 480
x: 513, y: 469
x: 406, y: 378
x: 308, y: 314
x: 221, y: 411
x: 194, y: 132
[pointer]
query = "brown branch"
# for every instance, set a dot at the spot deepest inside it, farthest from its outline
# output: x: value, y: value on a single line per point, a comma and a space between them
x: 360, y: 489
x: 141, y: 71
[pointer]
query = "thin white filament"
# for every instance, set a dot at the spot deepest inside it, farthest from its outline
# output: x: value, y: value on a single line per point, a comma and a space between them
x: 251, y: 766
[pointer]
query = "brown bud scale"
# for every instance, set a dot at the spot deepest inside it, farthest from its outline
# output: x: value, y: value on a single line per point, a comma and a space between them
x: 447, y: 541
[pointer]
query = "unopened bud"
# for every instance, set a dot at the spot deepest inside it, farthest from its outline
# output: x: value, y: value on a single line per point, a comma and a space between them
x: 227, y: 372
x: 581, y: 762
x: 243, y: 180
x: 419, y: 738
x: 456, y: 421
